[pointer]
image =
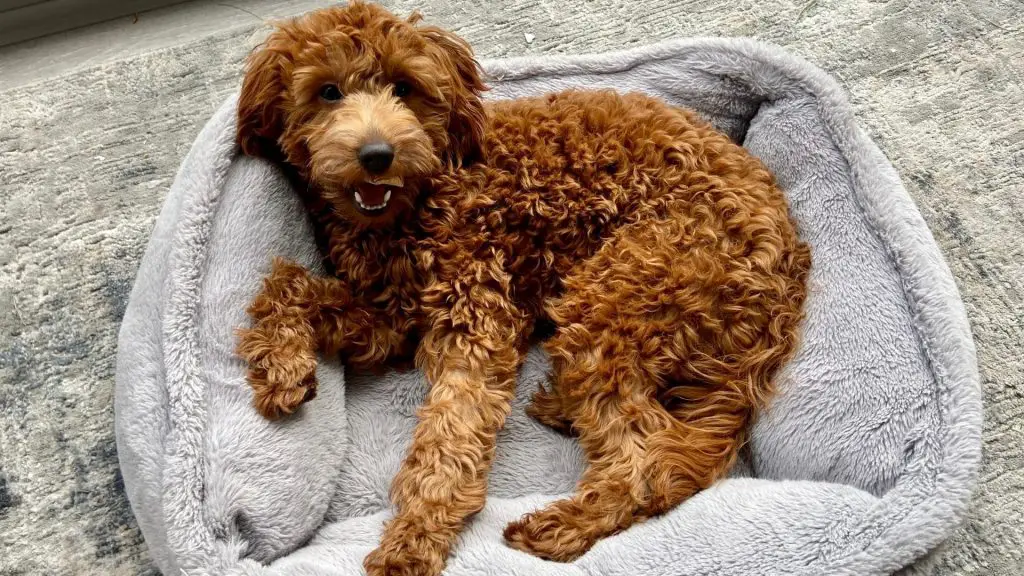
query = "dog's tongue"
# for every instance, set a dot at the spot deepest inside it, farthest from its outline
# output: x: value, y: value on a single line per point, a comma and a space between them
x: 373, y: 191
x: 372, y: 194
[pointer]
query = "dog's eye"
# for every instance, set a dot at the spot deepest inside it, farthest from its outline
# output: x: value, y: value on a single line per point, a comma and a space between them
x: 402, y: 88
x: 330, y: 92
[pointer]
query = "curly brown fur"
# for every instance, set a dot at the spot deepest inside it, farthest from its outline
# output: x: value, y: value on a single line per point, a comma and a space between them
x: 663, y: 253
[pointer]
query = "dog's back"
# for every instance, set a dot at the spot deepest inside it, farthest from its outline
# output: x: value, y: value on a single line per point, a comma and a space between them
x: 561, y: 173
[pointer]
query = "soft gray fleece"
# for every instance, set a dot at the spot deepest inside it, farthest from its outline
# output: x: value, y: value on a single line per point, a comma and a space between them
x: 863, y: 465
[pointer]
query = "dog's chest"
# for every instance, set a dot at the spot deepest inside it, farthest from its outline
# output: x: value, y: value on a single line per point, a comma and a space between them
x: 381, y: 272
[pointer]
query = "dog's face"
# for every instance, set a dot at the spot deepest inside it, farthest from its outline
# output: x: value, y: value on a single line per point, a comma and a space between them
x: 364, y: 105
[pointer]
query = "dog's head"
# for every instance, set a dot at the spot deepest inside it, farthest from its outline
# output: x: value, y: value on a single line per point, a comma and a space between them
x: 364, y: 105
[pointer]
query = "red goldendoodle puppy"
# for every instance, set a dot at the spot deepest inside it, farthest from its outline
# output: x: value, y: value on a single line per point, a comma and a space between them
x: 663, y: 254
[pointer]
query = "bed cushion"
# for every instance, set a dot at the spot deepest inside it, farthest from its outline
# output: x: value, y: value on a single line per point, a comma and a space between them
x: 862, y: 465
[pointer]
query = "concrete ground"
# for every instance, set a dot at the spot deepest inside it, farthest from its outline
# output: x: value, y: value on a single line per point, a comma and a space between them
x: 51, y: 56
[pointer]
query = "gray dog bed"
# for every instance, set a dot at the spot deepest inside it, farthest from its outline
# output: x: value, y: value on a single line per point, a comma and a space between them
x: 863, y: 464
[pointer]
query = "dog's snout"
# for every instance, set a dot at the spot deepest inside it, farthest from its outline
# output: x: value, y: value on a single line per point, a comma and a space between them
x: 376, y: 157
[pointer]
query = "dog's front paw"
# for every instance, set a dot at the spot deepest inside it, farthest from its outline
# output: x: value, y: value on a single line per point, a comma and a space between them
x: 407, y: 550
x: 282, y: 373
x: 399, y: 559
x: 275, y: 396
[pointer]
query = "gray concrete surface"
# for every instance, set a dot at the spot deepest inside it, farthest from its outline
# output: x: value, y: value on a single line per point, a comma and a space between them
x: 87, y: 154
x: 125, y: 36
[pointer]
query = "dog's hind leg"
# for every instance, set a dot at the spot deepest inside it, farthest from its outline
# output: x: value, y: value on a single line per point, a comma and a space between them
x: 548, y: 408
x: 643, y: 459
x: 659, y: 369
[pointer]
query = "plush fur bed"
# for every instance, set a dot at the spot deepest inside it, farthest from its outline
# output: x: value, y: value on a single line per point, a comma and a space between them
x: 863, y: 464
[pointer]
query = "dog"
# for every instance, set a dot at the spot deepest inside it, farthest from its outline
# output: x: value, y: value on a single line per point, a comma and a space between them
x: 662, y: 254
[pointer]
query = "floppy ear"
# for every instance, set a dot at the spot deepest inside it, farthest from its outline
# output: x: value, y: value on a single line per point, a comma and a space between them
x: 259, y: 105
x: 466, y: 122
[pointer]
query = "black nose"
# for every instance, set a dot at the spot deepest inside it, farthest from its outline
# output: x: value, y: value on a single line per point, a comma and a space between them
x: 376, y: 157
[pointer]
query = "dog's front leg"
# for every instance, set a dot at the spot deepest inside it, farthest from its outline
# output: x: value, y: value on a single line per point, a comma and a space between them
x: 470, y: 356
x: 295, y: 316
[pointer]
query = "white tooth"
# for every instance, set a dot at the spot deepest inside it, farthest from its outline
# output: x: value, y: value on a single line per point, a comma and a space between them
x: 387, y: 196
x: 359, y: 199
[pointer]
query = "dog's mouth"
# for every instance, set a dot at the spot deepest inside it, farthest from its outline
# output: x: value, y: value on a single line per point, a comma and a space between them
x: 372, y: 197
